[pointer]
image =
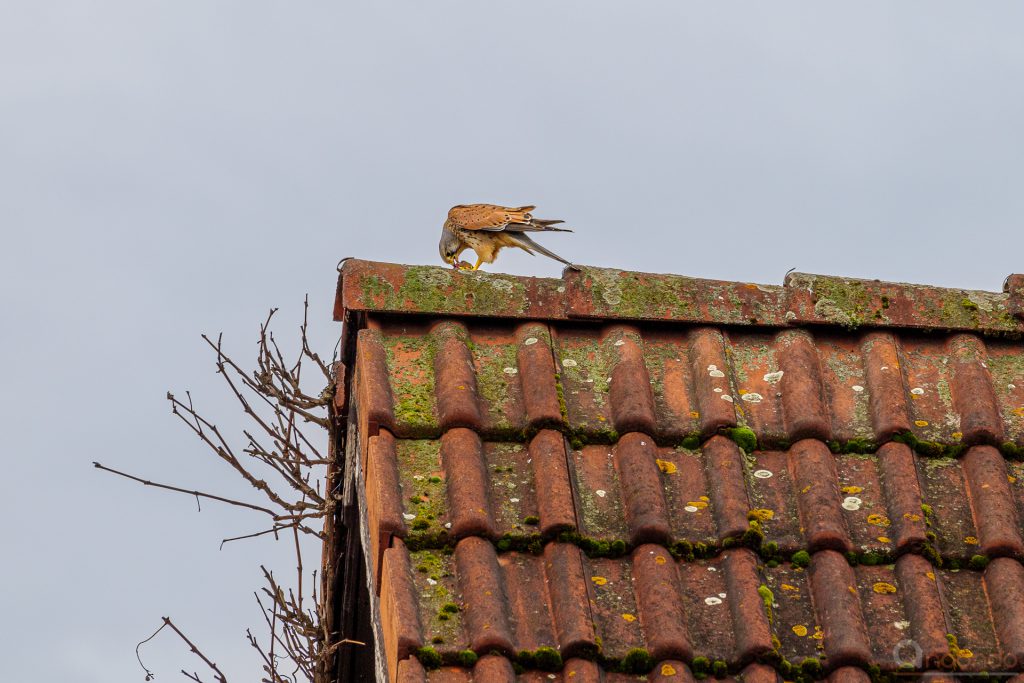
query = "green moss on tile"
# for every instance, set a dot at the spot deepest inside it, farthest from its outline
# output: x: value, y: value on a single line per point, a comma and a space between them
x: 521, y: 543
x: 466, y: 658
x: 411, y: 366
x: 1011, y: 450
x: 700, y: 665
x: 843, y: 302
x: 419, y: 464
x: 496, y: 370
x: 768, y: 600
x: 753, y: 537
x: 636, y: 661
x: 690, y: 442
x: 374, y: 290
x: 978, y: 562
x: 429, y: 658
x: 593, y: 547
x: 630, y: 295
x: 440, y: 290
x: 811, y: 667
x: 560, y: 391
x: 543, y: 658
x: 854, y: 446
x: 930, y: 449
x: 801, y: 558
x: 744, y: 437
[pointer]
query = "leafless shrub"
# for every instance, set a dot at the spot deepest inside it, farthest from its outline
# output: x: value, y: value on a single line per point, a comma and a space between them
x: 283, y: 460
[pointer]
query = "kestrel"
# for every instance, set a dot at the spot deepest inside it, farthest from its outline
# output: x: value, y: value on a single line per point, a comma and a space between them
x: 487, y: 228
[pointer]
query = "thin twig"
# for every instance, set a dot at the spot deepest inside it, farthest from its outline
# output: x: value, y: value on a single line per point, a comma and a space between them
x: 191, y: 492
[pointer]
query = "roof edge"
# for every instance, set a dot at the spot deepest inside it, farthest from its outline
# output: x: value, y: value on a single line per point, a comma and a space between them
x: 611, y: 294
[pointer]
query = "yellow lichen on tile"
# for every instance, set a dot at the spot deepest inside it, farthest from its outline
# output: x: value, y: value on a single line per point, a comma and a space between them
x: 883, y: 587
x: 800, y: 630
x: 599, y: 580
x: 878, y: 520
x: 851, y: 489
x: 666, y: 466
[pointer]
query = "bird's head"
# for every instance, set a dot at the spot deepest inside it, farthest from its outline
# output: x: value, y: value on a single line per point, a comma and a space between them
x: 450, y: 247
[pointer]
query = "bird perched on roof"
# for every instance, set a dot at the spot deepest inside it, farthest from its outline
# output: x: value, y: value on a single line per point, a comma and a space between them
x: 488, y: 228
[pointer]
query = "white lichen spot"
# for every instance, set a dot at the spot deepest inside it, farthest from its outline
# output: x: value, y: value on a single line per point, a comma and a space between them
x: 773, y: 377
x: 561, y: 290
x: 718, y: 390
x: 982, y: 300
x: 407, y: 516
x: 514, y: 500
x: 884, y: 367
x: 431, y: 581
x: 511, y: 484
x: 858, y: 388
x: 447, y: 525
x: 601, y: 493
x: 691, y: 508
x: 1011, y: 386
x: 530, y: 341
x: 751, y: 397
x: 917, y: 391
x: 763, y: 474
x: 643, y: 443
x: 726, y: 397
x: 902, y: 625
x: 504, y: 285
x: 852, y: 503
x: 722, y: 595
x: 713, y: 600
x: 568, y: 363
x: 790, y: 315
x: 619, y: 343
x: 712, y: 569
x: 510, y: 371
x: 418, y: 477
x: 715, y: 372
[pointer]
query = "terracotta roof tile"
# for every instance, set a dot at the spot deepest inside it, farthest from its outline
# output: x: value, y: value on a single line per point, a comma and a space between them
x: 623, y: 472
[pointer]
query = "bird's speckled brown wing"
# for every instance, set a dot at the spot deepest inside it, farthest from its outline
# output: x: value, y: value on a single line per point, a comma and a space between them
x: 489, y: 217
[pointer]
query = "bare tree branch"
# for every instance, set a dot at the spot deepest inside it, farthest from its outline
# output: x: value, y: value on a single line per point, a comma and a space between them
x: 284, y: 463
x: 191, y: 492
x: 218, y: 674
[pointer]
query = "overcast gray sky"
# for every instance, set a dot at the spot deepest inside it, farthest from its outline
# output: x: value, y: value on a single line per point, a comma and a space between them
x: 171, y: 168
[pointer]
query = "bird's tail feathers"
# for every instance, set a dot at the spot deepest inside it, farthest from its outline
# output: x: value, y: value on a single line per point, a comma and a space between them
x: 529, y: 245
x: 537, y: 225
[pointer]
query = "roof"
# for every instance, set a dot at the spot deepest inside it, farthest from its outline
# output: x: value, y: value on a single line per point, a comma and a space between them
x: 616, y: 474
